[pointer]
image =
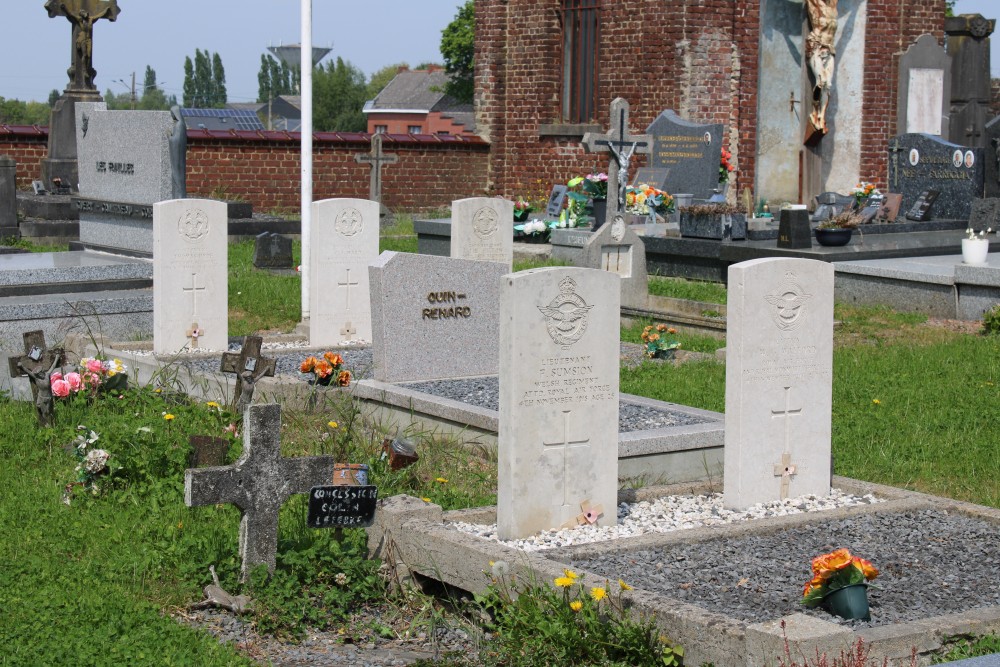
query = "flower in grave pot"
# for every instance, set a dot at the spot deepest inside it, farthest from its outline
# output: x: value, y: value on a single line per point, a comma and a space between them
x: 862, y: 191
x: 327, y: 370
x: 595, y: 186
x: 981, y: 236
x: 521, y: 209
x: 835, y: 571
x: 725, y: 166
x: 642, y: 199
x: 658, y: 345
x: 846, y: 219
x: 533, y: 230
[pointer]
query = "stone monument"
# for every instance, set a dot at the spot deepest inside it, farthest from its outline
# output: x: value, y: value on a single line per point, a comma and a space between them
x: 623, y: 146
x: 968, y: 42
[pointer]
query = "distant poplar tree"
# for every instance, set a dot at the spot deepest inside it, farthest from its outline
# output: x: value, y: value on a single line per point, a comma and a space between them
x: 219, y: 94
x: 189, y: 87
x: 204, y: 81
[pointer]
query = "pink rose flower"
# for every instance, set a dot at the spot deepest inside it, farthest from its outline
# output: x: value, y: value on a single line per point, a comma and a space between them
x: 94, y: 366
x: 74, y: 381
x: 93, y: 379
x: 60, y: 388
x: 56, y: 376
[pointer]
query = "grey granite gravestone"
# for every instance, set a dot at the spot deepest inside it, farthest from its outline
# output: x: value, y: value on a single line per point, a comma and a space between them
x: 924, y: 91
x: 617, y: 249
x: 8, y: 197
x: 258, y: 484
x: 272, y: 251
x: 985, y: 214
x: 967, y: 39
x: 692, y: 152
x: 249, y: 365
x: 434, y: 317
x: 991, y: 159
x: 830, y: 204
x: 921, y: 162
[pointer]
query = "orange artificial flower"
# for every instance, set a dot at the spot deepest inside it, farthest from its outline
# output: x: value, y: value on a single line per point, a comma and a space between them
x: 831, y: 562
x: 344, y: 378
x: 335, y: 359
x: 869, y: 570
x: 661, y: 327
x: 323, y: 369
x: 309, y: 364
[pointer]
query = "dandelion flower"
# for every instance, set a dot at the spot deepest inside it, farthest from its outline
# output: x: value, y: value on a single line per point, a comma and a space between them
x: 563, y: 582
x: 571, y: 574
x: 624, y: 586
x: 426, y: 500
x: 598, y: 594
x: 876, y: 401
x: 212, y: 404
x: 332, y: 424
x: 441, y: 480
x: 167, y: 416
x: 576, y: 605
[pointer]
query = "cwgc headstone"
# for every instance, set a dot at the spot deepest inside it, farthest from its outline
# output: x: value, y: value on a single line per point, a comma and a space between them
x: 483, y: 228
x: 346, y: 234
x: 434, y: 317
x: 8, y: 197
x: 920, y: 162
x: 272, y: 251
x: 692, y: 152
x: 190, y: 275
x: 558, y: 439
x: 258, y: 484
x: 617, y: 249
x: 991, y: 158
x: 779, y: 380
x: 924, y: 90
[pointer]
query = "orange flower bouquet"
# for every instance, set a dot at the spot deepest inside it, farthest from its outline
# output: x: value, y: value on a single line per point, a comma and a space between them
x: 834, y: 571
x: 658, y: 346
x: 327, y: 370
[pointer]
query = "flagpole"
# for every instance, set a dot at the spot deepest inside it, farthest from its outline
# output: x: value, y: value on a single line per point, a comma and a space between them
x: 306, y: 92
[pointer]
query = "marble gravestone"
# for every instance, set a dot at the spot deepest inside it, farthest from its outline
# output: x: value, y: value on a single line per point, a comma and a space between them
x: 558, y: 419
x: 691, y: 151
x: 924, y: 89
x: 434, y: 317
x: 345, y: 240
x: 779, y: 380
x: 617, y: 249
x: 190, y: 275
x: 921, y: 162
x: 483, y: 228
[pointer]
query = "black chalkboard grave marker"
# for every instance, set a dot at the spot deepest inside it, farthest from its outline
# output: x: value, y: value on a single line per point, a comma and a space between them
x: 342, y: 506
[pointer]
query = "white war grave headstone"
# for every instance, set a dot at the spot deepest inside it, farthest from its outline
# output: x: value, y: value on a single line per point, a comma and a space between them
x: 558, y: 435
x: 779, y: 380
x: 190, y: 275
x: 345, y: 240
x: 483, y: 228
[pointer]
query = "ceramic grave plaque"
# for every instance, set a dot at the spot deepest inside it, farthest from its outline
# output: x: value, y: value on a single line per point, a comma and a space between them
x: 558, y: 435
x: 345, y: 240
x: 190, y: 275
x: 779, y: 380
x: 483, y: 228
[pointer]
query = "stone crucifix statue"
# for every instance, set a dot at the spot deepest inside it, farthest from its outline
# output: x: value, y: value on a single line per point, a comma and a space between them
x: 821, y: 54
x: 83, y: 14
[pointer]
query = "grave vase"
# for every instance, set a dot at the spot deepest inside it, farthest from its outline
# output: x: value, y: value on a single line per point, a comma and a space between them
x: 600, y: 213
x: 974, y: 251
x: 850, y: 602
x: 521, y: 215
x: 833, y: 237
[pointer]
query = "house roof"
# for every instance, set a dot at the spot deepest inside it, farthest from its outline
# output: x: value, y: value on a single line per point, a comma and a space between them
x: 412, y: 90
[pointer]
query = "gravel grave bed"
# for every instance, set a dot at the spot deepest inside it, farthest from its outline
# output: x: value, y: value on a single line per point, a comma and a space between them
x: 484, y: 393
x: 357, y: 360
x: 931, y: 562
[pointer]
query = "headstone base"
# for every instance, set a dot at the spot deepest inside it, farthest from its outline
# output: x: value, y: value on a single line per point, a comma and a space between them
x: 61, y: 162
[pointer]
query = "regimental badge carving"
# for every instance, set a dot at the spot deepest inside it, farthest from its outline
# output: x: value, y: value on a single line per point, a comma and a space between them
x: 618, y: 229
x: 193, y: 225
x: 349, y: 222
x: 485, y: 222
x: 788, y: 303
x: 566, y: 315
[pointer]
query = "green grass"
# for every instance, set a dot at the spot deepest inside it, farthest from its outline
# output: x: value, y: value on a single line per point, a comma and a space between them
x: 692, y: 342
x: 33, y: 247
x: 960, y: 648
x: 692, y: 290
x: 260, y: 300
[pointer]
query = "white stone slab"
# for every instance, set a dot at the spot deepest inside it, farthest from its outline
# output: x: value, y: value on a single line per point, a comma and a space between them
x: 434, y: 317
x: 923, y: 109
x: 344, y: 242
x: 483, y: 228
x: 190, y: 275
x: 558, y: 434
x: 779, y: 380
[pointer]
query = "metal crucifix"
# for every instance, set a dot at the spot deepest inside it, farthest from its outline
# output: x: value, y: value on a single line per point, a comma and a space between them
x: 622, y: 146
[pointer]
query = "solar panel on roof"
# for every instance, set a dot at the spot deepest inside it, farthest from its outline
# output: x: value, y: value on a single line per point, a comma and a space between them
x: 241, y: 119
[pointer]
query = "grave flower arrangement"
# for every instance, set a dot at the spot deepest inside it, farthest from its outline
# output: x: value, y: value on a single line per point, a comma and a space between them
x: 846, y: 219
x: 862, y: 191
x: 641, y: 199
x: 973, y: 236
x: 834, y: 571
x: 533, y: 231
x: 522, y: 208
x: 725, y: 166
x: 658, y: 346
x: 593, y: 185
x: 327, y: 370
x: 92, y: 463
x: 93, y: 375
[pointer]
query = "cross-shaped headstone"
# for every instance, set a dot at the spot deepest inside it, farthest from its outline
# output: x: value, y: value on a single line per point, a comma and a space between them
x: 622, y: 145
x: 258, y: 484
x: 784, y: 470
x: 194, y: 333
x: 348, y: 331
x: 376, y: 159
x: 347, y: 284
x: 194, y: 289
x: 249, y: 365
x: 37, y: 363
x: 565, y: 444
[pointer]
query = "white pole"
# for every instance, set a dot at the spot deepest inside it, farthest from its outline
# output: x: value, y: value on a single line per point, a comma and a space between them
x: 306, y: 72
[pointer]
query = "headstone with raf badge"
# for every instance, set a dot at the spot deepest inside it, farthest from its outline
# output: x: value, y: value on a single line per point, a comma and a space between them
x: 691, y: 151
x: 921, y: 163
x: 482, y: 228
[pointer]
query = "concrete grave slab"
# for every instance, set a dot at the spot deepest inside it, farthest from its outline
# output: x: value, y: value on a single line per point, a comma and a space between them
x: 483, y: 228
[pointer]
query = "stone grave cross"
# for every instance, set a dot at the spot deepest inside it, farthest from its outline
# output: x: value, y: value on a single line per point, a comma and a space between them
x: 785, y: 469
x: 249, y: 365
x: 622, y: 146
x: 565, y: 444
x: 83, y: 14
x: 376, y: 159
x: 37, y: 363
x: 258, y: 484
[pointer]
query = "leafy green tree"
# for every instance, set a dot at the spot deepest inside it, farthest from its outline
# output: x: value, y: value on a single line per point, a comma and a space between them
x: 189, y: 85
x: 949, y: 7
x: 219, y: 94
x: 118, y: 101
x: 339, y: 95
x: 149, y: 79
x: 53, y: 97
x: 204, y: 81
x: 458, y: 51
x: 274, y: 79
x: 16, y: 112
x: 381, y: 78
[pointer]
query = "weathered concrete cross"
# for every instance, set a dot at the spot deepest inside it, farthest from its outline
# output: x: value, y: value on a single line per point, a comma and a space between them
x: 249, y: 365
x: 348, y: 330
x: 376, y: 159
x: 622, y: 146
x: 258, y: 484
x: 37, y: 363
x: 565, y: 444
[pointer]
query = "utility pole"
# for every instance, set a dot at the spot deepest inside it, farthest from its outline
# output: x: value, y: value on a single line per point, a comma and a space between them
x: 133, y: 91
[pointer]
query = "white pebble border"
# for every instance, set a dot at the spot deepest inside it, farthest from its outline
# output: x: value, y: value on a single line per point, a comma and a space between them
x: 667, y: 514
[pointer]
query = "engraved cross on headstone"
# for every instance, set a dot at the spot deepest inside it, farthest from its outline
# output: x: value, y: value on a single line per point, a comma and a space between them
x: 348, y: 330
x: 786, y: 470
x: 37, y: 364
x: 347, y: 285
x: 249, y: 365
x: 194, y: 289
x: 258, y: 484
x: 565, y: 444
x: 622, y: 147
x: 376, y: 159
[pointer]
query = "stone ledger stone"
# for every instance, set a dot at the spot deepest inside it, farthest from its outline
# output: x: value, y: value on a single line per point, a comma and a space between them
x: 434, y: 317
x: 779, y: 380
x: 558, y: 440
x: 272, y: 251
x: 617, y: 249
x: 692, y: 152
x: 483, y: 228
x: 190, y: 274
x: 345, y: 241
x: 919, y: 162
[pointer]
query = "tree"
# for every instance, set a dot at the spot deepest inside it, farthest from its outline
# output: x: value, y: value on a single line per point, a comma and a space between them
x: 339, y: 95
x: 203, y: 78
x: 118, y: 101
x: 16, y: 112
x: 53, y: 97
x: 204, y: 81
x: 458, y: 51
x: 149, y: 80
x: 189, y: 85
x: 274, y: 79
x: 219, y: 94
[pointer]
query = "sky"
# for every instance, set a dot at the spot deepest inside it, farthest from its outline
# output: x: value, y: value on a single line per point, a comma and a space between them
x: 35, y: 50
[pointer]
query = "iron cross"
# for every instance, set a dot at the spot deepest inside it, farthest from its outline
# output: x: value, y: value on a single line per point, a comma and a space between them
x: 249, y: 365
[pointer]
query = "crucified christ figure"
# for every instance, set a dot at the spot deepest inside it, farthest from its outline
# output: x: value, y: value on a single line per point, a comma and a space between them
x: 821, y: 53
x: 623, y: 157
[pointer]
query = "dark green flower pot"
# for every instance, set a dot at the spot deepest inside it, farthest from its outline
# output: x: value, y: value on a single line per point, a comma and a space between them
x: 850, y: 602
